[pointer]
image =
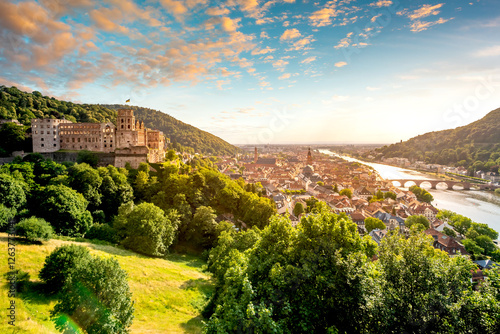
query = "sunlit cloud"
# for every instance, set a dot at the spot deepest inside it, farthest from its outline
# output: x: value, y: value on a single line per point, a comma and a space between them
x: 290, y: 34
x: 308, y: 60
x: 340, y: 64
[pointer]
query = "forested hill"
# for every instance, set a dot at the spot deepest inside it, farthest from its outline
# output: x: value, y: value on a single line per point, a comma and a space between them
x: 179, y: 132
x: 16, y: 104
x: 475, y: 146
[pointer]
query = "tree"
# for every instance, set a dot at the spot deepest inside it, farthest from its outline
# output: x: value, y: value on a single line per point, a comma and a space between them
x: 59, y: 264
x: 203, y: 227
x: 449, y: 232
x: 372, y: 223
x: 417, y: 219
x: 422, y: 288
x: 311, y: 279
x: 346, y: 192
x: 12, y: 137
x: 87, y: 157
x: 115, y: 189
x: 6, y: 215
x: 64, y: 208
x: 97, y: 298
x: 390, y: 194
x: 12, y: 193
x: 298, y: 209
x: 421, y: 194
x: 34, y: 229
x: 145, y: 228
x: 87, y: 181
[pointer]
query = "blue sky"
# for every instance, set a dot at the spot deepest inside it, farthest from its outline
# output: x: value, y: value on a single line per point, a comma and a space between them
x: 254, y: 71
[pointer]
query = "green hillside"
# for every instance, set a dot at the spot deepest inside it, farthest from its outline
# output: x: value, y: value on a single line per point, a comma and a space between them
x: 179, y: 132
x: 15, y: 104
x: 168, y: 293
x: 475, y: 146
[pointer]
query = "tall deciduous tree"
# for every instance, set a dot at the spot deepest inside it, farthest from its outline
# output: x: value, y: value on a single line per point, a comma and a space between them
x: 372, y: 223
x: 12, y: 193
x: 64, y: 208
x: 145, y: 228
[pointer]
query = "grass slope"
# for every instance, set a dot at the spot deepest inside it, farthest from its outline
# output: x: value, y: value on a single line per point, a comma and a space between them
x: 168, y: 293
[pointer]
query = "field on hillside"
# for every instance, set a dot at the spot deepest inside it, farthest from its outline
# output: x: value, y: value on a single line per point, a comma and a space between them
x: 168, y: 293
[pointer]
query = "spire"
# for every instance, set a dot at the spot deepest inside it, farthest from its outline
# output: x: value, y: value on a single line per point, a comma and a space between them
x: 309, y: 157
x: 256, y: 156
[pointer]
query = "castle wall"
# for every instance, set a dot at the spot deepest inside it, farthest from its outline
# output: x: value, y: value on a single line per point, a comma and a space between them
x: 132, y: 155
x: 45, y: 134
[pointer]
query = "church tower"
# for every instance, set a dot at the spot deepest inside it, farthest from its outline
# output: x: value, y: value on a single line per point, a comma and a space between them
x: 309, y: 157
x: 256, y: 156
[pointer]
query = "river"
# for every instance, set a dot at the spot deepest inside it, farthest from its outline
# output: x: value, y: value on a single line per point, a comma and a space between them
x: 480, y: 206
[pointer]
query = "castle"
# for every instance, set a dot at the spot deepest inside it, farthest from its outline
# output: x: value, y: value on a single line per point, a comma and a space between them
x: 129, y: 142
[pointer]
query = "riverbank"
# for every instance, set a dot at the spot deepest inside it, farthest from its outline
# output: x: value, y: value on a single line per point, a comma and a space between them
x: 479, y: 205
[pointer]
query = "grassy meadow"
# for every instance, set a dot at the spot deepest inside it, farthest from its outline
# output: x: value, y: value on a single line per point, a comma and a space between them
x: 168, y: 293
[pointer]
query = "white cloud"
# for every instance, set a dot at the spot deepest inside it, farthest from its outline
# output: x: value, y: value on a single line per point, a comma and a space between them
x: 340, y: 64
x: 491, y: 51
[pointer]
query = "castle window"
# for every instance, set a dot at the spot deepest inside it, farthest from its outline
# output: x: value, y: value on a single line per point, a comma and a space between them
x: 110, y: 145
x: 54, y: 145
x: 79, y: 140
x: 129, y: 126
x: 122, y: 126
x: 122, y: 120
x: 104, y: 145
x: 42, y: 139
x: 41, y: 132
x: 42, y: 145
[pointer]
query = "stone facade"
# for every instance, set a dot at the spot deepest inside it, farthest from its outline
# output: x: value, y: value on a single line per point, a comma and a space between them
x: 99, y: 137
x: 45, y: 133
x: 130, y: 140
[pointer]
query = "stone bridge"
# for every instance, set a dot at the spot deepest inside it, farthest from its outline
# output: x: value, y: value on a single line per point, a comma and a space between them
x: 449, y: 184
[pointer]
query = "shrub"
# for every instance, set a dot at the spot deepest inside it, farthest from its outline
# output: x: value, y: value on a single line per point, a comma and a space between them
x: 60, y: 263
x: 103, y: 232
x: 97, y: 297
x: 34, y: 229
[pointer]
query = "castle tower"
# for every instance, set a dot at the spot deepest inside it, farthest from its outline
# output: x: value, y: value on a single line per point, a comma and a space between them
x: 256, y: 156
x: 126, y: 135
x: 309, y: 157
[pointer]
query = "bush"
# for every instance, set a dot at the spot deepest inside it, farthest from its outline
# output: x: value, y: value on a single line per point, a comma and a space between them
x: 34, y: 229
x: 97, y: 297
x: 103, y: 232
x: 60, y: 263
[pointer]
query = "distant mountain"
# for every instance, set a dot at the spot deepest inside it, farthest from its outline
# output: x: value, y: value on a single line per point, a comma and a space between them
x: 179, y: 132
x: 15, y: 104
x: 475, y: 146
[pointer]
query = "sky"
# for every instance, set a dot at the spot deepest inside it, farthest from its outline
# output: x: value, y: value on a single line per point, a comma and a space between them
x: 259, y: 72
